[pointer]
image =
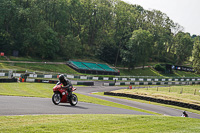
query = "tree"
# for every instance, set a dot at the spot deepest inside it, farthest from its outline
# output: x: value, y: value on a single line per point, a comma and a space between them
x: 107, y: 49
x: 138, y: 48
x: 183, y: 47
x: 159, y: 25
x: 125, y: 24
x: 46, y: 42
x: 84, y: 28
x: 71, y: 47
x: 7, y: 19
x: 196, y: 54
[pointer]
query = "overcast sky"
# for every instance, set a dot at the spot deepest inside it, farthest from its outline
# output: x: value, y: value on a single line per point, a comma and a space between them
x: 184, y: 12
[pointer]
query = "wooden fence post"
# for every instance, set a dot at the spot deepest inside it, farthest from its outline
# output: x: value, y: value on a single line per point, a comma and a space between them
x: 195, y: 91
x: 181, y: 91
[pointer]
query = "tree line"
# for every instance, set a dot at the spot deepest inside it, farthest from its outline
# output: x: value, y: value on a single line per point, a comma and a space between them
x: 110, y: 30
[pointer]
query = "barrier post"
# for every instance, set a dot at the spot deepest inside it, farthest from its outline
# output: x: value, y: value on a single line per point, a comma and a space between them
x: 130, y: 87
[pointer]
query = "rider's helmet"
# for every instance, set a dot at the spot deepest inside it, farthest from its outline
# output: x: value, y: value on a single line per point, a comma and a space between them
x: 61, y: 77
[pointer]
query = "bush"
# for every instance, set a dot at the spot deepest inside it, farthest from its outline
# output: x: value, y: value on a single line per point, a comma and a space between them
x: 158, y: 67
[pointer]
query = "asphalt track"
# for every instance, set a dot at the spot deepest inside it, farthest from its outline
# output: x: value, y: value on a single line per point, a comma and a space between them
x: 15, y: 105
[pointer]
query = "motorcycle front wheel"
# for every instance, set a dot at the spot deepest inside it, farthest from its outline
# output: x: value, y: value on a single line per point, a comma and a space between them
x: 56, y: 98
x: 73, y: 100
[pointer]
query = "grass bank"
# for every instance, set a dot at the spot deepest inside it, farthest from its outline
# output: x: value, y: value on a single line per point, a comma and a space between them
x: 56, y: 68
x: 98, y: 123
x: 137, y: 72
x: 63, y: 68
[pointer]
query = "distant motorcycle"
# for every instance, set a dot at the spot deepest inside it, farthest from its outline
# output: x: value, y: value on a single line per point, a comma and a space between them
x: 61, y: 96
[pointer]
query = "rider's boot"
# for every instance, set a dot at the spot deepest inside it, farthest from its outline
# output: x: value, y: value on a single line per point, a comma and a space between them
x: 69, y: 95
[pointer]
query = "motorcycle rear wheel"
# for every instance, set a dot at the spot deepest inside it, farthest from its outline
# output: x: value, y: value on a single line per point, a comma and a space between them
x: 56, y: 98
x: 73, y: 100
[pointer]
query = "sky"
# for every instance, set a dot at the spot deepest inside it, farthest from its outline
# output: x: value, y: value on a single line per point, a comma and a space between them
x: 184, y: 12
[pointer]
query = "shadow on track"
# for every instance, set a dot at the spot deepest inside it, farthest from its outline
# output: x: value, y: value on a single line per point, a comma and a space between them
x: 69, y: 106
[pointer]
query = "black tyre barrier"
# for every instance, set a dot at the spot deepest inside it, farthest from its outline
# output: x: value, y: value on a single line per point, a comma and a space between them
x: 8, y: 80
x: 169, y: 102
x: 46, y: 81
x: 86, y: 83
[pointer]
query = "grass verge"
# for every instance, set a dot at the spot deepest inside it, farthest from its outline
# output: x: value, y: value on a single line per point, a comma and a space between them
x: 98, y: 123
x: 137, y: 72
x: 57, y: 68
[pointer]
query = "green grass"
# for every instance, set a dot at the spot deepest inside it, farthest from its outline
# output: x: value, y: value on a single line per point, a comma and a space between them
x: 11, y: 66
x: 27, y: 89
x: 137, y: 72
x: 57, y: 68
x: 62, y: 68
x: 45, y: 90
x: 181, y: 74
x: 12, y: 58
x: 98, y: 123
x: 2, y: 58
x: 186, y: 74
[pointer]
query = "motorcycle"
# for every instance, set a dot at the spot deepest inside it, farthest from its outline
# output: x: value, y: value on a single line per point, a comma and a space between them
x: 61, y: 96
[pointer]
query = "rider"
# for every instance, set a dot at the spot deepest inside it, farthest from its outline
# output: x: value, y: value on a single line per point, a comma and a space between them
x: 184, y: 114
x: 66, y: 84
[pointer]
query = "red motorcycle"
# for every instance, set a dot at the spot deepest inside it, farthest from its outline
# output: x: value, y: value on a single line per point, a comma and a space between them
x: 61, y: 96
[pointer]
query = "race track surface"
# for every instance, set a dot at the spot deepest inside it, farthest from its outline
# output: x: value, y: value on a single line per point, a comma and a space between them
x: 15, y: 105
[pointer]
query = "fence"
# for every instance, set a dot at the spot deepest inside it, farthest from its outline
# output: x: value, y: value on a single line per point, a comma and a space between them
x: 192, y: 90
